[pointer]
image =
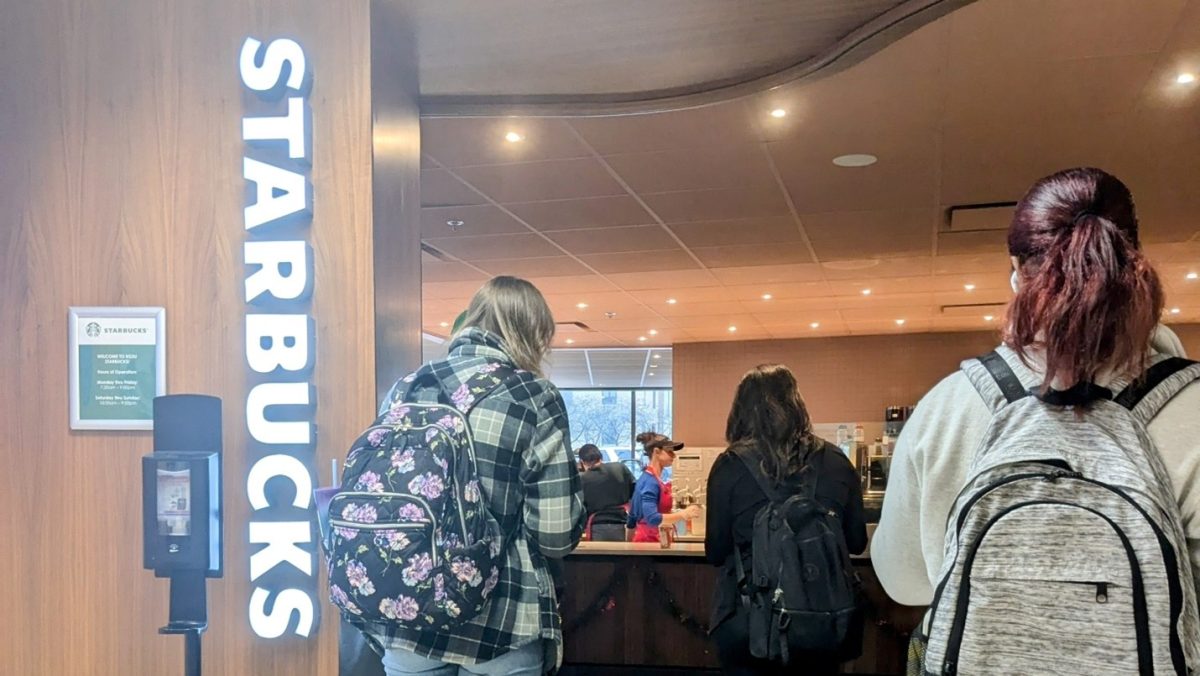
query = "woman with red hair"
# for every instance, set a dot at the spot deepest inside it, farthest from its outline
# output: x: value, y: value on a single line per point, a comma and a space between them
x: 1082, y: 327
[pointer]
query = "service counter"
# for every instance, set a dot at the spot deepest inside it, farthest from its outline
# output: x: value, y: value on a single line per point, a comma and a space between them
x: 636, y: 604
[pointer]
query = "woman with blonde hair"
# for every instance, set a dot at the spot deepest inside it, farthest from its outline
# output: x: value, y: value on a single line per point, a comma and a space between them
x: 530, y: 484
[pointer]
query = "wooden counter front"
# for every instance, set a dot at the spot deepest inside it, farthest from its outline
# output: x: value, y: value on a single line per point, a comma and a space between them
x: 636, y: 604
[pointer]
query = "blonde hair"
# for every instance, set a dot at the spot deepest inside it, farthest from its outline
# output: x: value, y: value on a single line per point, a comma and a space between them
x: 516, y: 311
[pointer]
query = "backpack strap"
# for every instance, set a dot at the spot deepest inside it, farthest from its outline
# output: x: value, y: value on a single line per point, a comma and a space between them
x: 1147, y: 395
x: 755, y: 469
x: 479, y: 384
x: 1004, y: 376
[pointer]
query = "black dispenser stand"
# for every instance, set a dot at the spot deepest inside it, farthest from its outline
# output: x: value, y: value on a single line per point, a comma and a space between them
x: 189, y: 616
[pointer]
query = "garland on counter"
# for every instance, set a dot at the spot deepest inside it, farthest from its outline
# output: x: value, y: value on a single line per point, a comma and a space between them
x: 679, y: 614
x: 605, y: 601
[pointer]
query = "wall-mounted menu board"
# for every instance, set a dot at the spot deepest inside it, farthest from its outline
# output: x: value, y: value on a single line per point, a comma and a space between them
x: 117, y: 366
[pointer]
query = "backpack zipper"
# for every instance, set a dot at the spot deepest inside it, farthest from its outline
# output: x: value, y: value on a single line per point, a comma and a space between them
x: 1140, y: 613
x: 962, y: 515
x: 470, y: 456
x: 1175, y: 589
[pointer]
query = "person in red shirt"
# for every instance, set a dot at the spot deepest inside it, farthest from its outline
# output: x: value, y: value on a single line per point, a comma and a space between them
x: 650, y: 508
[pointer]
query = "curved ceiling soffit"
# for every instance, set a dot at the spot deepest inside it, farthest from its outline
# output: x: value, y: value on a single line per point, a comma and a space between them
x: 868, y: 39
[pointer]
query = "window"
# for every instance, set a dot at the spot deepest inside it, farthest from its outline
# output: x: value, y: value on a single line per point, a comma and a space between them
x: 612, y: 418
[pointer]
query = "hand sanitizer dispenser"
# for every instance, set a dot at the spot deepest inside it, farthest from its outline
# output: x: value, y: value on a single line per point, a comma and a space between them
x: 181, y: 511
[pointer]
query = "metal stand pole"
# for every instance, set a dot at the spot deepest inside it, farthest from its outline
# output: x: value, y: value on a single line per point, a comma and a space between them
x: 191, y: 653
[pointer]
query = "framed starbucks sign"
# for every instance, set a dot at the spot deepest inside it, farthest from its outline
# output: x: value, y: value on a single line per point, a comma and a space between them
x: 117, y: 366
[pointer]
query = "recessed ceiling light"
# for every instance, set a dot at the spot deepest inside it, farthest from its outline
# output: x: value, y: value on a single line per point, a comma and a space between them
x: 513, y: 137
x: 732, y: 329
x: 671, y: 301
x: 899, y: 322
x: 650, y: 374
x: 1185, y: 78
x: 642, y: 338
x: 988, y: 318
x: 767, y: 296
x: 969, y: 287
x: 581, y: 306
x: 866, y: 292
x: 779, y: 112
x: 1175, y: 310
x: 815, y: 325
x: 1193, y: 276
x: 653, y: 332
x: 570, y: 341
x: 658, y: 356
x: 455, y: 223
x: 855, y: 160
x: 444, y: 324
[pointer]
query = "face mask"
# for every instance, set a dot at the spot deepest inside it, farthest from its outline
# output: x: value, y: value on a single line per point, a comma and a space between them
x: 1013, y: 282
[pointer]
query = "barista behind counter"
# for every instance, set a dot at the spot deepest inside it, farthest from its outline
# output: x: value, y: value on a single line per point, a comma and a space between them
x: 607, y: 487
x: 652, y: 503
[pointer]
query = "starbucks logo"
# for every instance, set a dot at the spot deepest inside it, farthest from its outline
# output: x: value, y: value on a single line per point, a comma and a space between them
x: 93, y: 329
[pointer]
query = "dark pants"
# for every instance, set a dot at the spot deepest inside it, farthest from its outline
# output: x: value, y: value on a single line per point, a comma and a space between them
x: 608, y: 532
x: 732, y: 638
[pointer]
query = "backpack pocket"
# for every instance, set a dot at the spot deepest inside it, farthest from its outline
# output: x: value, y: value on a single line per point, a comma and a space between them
x: 382, y: 552
x: 1094, y: 627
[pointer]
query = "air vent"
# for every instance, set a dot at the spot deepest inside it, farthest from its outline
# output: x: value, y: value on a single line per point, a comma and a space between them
x: 573, y: 327
x: 980, y: 217
x: 436, y: 253
x: 974, y: 310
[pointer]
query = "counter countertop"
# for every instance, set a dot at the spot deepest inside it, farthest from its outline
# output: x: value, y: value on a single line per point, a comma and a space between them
x: 686, y: 549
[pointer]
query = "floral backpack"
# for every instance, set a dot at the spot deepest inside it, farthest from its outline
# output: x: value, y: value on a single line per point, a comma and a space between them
x: 411, y: 542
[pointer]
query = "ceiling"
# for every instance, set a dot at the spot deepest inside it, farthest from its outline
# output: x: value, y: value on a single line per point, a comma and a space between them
x: 582, y: 54
x: 716, y: 206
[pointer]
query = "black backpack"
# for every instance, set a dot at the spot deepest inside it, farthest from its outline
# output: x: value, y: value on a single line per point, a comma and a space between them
x: 802, y: 593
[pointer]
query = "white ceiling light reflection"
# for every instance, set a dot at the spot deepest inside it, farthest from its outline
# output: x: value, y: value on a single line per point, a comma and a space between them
x: 855, y: 160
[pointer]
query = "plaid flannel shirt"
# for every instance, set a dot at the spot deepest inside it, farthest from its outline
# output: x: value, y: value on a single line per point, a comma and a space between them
x: 533, y: 489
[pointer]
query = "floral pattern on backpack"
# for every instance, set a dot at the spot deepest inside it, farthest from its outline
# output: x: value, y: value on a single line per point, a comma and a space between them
x: 412, y: 542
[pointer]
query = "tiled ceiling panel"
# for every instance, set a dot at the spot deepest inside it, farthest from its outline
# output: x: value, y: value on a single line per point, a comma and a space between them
x: 476, y: 220
x: 722, y: 204
x: 439, y: 188
x: 716, y: 166
x: 841, y: 235
x: 637, y: 238
x: 537, y: 181
x: 773, y: 230
x: 715, y: 207
x: 595, y: 212
x: 491, y: 247
x: 464, y: 142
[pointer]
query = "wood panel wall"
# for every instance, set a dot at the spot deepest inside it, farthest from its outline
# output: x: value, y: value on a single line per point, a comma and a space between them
x: 120, y: 179
x: 842, y: 379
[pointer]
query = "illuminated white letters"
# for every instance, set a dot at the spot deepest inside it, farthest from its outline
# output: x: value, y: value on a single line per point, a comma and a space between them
x: 279, y: 344
x: 271, y: 277
x: 280, y: 538
x: 274, y: 341
x: 275, y: 623
x: 290, y: 128
x: 266, y: 76
x: 278, y: 193
x: 273, y: 466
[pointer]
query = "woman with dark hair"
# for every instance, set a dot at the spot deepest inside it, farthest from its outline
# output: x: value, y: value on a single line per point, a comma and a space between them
x: 1083, y: 324
x: 769, y: 425
x: 650, y: 508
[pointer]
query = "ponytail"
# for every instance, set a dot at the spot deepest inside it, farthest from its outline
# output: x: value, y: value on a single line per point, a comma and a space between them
x: 1088, y: 298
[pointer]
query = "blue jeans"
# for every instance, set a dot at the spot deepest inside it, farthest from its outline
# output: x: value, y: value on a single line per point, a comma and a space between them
x: 524, y: 661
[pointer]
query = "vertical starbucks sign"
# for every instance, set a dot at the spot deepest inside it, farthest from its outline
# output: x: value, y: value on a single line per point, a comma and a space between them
x: 118, y: 366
